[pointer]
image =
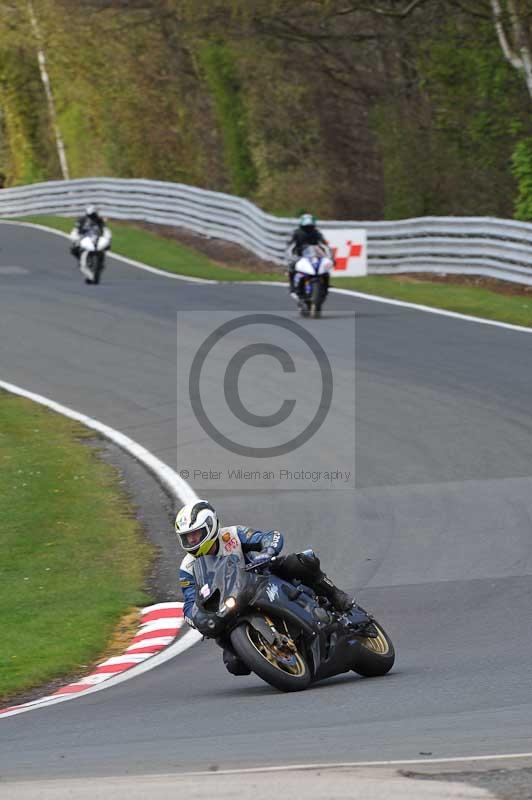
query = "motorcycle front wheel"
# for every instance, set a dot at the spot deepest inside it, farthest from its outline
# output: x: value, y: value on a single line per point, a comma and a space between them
x: 98, y: 265
x: 282, y: 667
x: 304, y: 308
x: 376, y: 655
x: 85, y: 266
x: 316, y: 301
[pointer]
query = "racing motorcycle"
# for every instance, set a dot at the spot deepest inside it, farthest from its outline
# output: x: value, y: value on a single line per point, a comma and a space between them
x: 281, y: 630
x: 311, y: 279
x: 91, y: 247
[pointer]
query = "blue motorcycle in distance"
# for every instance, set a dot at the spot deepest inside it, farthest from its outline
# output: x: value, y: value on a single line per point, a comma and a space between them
x: 311, y: 280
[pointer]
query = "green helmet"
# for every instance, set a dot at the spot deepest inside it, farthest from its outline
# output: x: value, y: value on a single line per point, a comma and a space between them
x: 307, y: 221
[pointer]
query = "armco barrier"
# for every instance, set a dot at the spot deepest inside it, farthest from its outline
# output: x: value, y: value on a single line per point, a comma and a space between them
x: 476, y: 245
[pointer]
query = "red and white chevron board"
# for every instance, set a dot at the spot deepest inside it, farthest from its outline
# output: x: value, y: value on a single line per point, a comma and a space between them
x: 159, y: 626
x: 349, y: 246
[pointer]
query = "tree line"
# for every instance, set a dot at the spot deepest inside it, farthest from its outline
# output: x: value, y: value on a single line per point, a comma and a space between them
x: 361, y: 109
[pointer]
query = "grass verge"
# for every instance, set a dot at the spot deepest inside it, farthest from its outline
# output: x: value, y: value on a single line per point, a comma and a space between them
x: 166, y: 254
x: 73, y: 556
x: 471, y: 300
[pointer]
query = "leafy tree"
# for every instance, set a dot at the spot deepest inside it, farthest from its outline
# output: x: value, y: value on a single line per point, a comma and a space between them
x: 522, y: 169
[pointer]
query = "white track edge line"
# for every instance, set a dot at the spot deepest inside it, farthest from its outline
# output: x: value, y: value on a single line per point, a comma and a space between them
x: 138, y: 264
x: 432, y: 310
x: 373, y: 298
x: 179, y: 489
x: 354, y: 764
x: 348, y: 292
x: 165, y: 474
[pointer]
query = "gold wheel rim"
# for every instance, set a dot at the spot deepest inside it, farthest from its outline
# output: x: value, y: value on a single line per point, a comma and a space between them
x: 378, y: 644
x: 267, y: 651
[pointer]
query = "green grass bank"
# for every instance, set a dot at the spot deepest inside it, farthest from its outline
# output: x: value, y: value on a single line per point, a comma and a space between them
x: 166, y: 254
x: 74, y: 559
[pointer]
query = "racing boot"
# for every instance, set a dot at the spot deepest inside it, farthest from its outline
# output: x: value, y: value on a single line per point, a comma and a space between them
x: 291, y: 288
x: 339, y: 599
x: 321, y: 584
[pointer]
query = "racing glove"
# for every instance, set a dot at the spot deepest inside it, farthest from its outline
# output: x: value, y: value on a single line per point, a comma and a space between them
x: 261, y: 557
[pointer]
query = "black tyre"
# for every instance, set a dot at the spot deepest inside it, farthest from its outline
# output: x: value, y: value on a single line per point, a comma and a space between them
x: 91, y: 266
x: 316, y: 300
x: 304, y: 309
x: 85, y: 267
x: 376, y: 656
x: 287, y: 671
x: 98, y: 265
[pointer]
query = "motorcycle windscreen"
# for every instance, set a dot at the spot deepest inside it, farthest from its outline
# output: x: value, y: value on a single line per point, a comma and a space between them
x: 217, y: 577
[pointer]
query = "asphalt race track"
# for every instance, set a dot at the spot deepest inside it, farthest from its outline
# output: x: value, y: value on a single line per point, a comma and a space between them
x: 436, y: 539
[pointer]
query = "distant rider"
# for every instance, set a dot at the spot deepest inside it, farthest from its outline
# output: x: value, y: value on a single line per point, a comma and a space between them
x: 199, y: 533
x: 90, y: 219
x: 305, y: 235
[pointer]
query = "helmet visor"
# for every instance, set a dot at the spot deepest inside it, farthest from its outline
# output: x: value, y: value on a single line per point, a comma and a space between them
x: 191, y: 540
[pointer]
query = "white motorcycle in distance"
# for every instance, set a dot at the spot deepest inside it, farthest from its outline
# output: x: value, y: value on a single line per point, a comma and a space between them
x: 92, y: 246
x: 311, y: 279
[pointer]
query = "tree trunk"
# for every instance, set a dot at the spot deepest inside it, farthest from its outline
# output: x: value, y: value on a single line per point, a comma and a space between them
x: 45, y: 78
x: 516, y: 49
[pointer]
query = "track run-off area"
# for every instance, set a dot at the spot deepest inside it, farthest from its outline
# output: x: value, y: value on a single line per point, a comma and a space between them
x: 435, y: 539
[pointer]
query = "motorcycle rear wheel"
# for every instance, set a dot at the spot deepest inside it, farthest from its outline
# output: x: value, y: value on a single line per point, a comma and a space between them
x: 376, y: 656
x: 268, y: 662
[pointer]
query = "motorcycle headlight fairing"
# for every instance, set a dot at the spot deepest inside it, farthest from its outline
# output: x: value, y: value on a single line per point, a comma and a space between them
x: 228, y: 605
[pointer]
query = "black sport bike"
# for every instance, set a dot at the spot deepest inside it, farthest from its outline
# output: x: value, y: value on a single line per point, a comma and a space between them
x: 280, y: 629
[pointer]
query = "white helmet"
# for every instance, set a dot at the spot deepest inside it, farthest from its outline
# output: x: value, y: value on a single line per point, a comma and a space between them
x: 91, y: 210
x: 197, y: 527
